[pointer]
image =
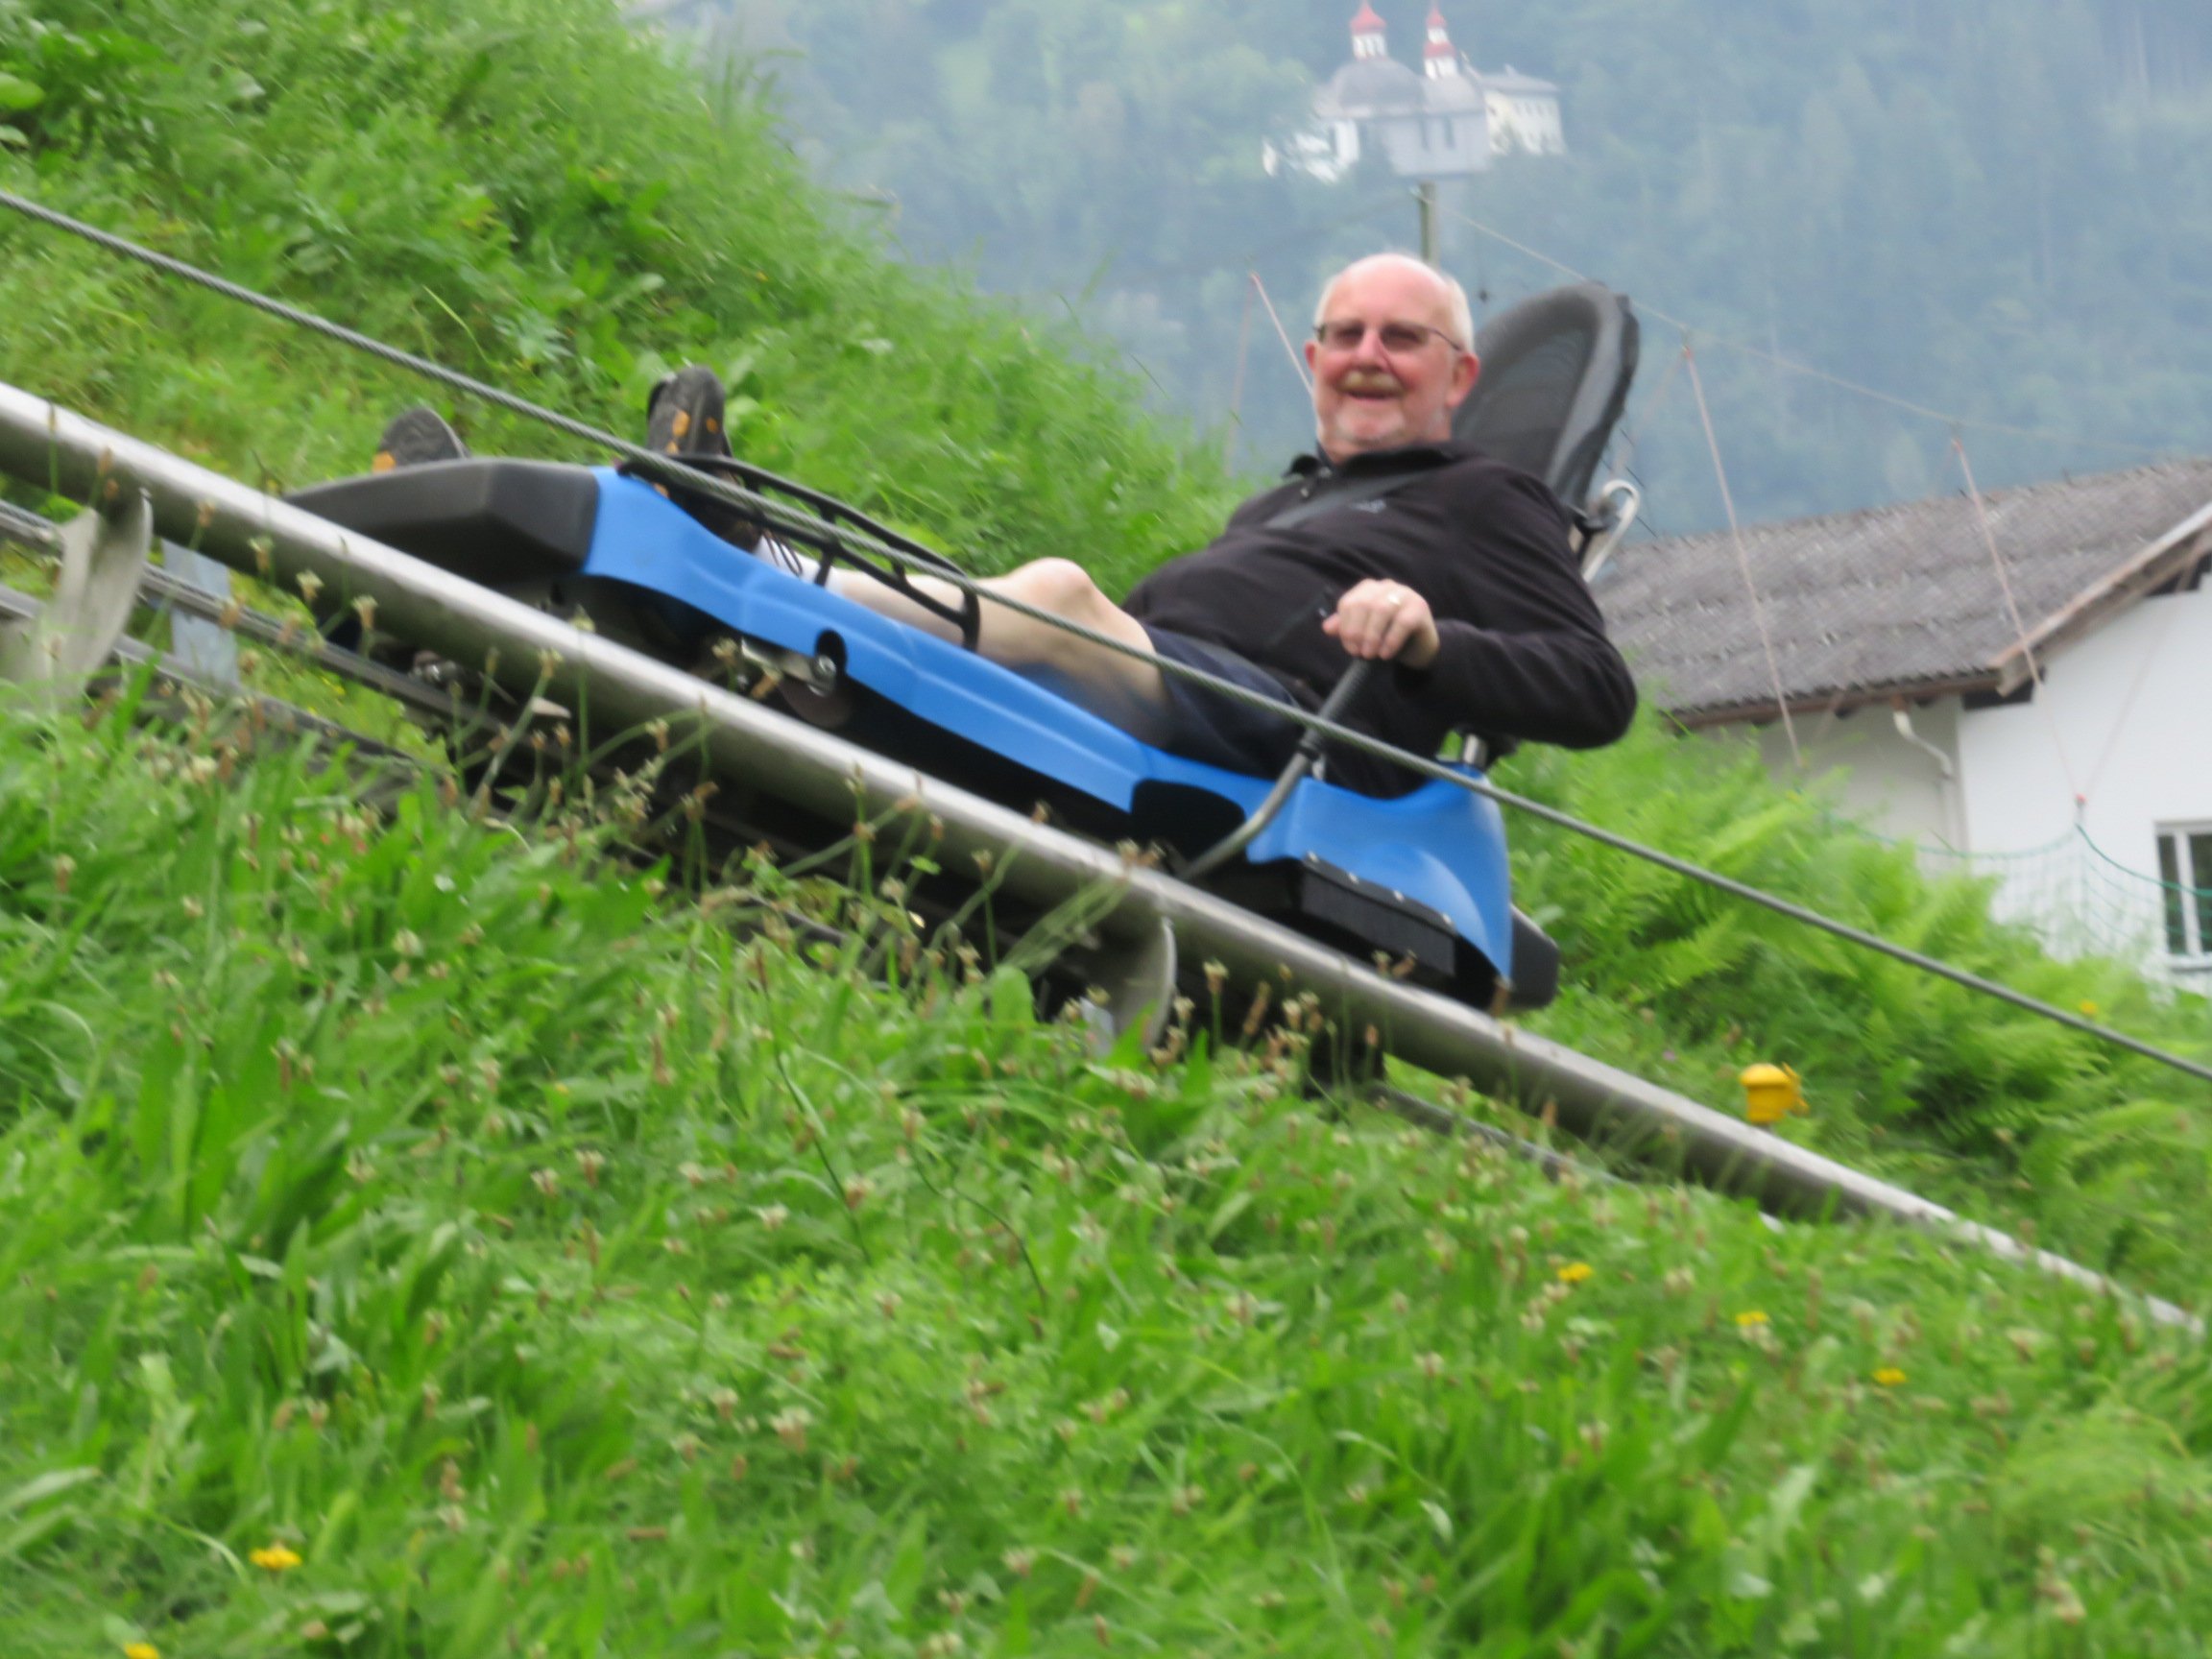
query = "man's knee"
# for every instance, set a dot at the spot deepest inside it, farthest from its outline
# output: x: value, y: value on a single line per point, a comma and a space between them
x: 1060, y: 586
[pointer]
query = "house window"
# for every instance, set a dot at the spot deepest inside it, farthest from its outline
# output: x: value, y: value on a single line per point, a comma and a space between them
x: 2185, y: 867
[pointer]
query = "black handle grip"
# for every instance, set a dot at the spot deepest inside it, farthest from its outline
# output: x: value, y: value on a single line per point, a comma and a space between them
x: 1332, y: 706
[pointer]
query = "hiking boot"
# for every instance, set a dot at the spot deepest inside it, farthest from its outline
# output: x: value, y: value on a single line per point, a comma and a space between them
x: 683, y: 417
x: 684, y: 414
x: 417, y: 436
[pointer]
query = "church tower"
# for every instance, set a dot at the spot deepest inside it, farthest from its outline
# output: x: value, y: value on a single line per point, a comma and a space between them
x: 1367, y: 38
x: 1441, y: 58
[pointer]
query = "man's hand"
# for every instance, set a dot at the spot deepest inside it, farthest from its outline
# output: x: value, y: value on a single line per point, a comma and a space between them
x: 1386, y: 620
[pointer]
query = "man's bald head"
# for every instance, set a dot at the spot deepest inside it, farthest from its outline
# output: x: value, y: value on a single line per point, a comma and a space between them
x: 1449, y: 293
x: 1391, y: 356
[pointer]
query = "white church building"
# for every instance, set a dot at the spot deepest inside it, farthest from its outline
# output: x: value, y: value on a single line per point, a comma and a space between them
x: 1446, y: 121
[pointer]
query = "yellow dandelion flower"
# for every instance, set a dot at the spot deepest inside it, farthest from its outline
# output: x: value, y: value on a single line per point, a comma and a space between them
x: 1750, y: 1318
x: 140, y: 1650
x: 1575, y: 1272
x: 275, y: 1558
x: 2090, y: 1009
x: 1888, y: 1377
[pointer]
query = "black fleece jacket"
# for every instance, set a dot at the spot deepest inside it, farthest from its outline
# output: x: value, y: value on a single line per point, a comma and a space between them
x: 1523, y: 652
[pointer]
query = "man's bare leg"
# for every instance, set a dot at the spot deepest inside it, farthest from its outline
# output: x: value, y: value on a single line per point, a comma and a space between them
x: 1131, y: 694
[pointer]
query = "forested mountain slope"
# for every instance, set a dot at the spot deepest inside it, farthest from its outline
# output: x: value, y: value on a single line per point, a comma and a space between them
x: 1995, y: 211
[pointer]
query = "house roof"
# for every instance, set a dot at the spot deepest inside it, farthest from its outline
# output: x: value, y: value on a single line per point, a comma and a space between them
x: 1903, y: 600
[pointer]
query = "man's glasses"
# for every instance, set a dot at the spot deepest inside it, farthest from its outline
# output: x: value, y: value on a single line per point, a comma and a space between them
x: 1396, y: 338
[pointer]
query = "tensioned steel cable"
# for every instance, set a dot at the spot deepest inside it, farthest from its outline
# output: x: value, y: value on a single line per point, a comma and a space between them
x: 1793, y: 367
x: 1744, y: 559
x: 1298, y: 363
x: 822, y: 533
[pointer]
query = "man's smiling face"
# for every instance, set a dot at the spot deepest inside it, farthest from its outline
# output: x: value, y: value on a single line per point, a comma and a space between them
x: 1370, y: 396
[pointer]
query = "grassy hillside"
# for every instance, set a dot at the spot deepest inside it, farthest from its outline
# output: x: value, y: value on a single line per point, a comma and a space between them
x: 521, y: 189
x: 519, y: 1259
x: 424, y: 1243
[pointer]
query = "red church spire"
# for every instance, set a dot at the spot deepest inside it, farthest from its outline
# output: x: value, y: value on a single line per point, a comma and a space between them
x: 1439, y: 56
x: 1367, y: 39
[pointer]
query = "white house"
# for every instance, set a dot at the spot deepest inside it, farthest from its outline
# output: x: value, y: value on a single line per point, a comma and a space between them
x: 2030, y: 696
x: 1447, y: 121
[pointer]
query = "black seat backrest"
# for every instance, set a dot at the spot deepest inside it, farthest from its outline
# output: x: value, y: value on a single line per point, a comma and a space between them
x: 1555, y: 375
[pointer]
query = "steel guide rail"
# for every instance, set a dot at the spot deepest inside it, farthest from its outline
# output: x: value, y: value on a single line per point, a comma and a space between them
x: 529, y: 651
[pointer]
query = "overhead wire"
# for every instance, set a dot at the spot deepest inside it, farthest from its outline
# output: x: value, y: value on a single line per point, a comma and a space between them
x: 1743, y: 561
x: 1792, y: 366
x: 1297, y: 360
x: 820, y: 531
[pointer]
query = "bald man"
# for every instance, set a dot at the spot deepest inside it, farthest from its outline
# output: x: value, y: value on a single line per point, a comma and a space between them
x: 1393, y: 541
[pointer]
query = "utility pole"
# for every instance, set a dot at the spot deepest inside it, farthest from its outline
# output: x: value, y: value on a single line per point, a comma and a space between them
x: 1427, y: 192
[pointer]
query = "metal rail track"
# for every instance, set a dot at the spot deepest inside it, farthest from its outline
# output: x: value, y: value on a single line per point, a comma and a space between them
x: 1141, y: 916
x: 436, y: 709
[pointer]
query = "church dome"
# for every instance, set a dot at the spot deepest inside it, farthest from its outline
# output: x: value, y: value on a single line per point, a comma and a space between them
x: 1380, y: 83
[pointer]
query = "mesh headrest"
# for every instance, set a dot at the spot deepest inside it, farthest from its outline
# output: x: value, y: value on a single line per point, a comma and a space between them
x: 1555, y: 375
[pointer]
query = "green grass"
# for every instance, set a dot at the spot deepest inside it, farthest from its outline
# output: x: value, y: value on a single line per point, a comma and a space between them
x: 552, y: 1270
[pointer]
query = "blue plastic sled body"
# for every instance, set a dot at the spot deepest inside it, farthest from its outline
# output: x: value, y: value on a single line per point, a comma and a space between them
x: 1437, y: 853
